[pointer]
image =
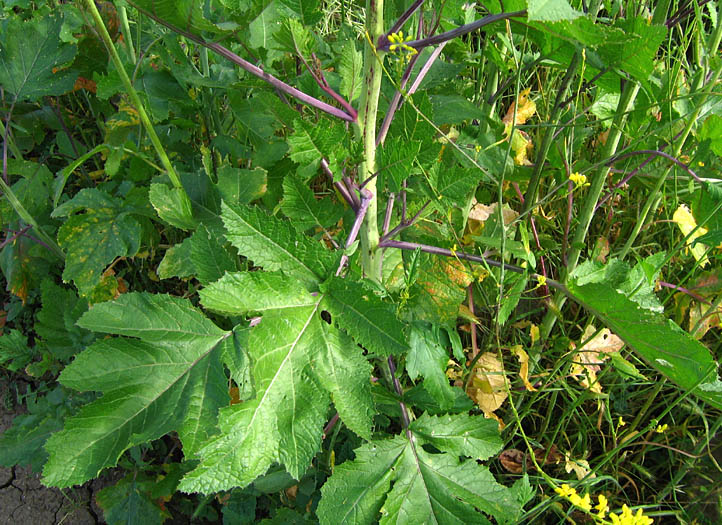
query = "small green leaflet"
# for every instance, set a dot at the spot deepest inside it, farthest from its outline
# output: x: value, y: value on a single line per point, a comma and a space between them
x: 164, y: 375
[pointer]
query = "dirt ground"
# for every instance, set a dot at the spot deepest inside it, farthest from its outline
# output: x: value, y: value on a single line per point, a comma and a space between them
x: 25, y: 501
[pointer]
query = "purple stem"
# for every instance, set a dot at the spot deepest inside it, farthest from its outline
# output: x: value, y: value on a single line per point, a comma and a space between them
x: 652, y: 154
x: 403, y: 245
x: 658, y: 153
x: 402, y: 19
x: 399, y: 392
x: 254, y: 70
x: 329, y: 426
x: 384, y: 43
x: 5, y: 143
x: 15, y: 236
x: 387, y: 216
x: 403, y: 224
x: 366, y: 198
x: 396, y: 100
x: 340, y: 186
x: 684, y: 290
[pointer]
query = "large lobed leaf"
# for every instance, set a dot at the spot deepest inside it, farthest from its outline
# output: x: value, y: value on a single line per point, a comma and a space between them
x: 169, y: 379
x: 403, y: 483
x: 276, y: 244
x: 365, y: 317
x: 32, y: 56
x: 297, y: 360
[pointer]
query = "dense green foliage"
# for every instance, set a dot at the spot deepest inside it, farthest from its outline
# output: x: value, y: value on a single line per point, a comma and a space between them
x: 346, y: 262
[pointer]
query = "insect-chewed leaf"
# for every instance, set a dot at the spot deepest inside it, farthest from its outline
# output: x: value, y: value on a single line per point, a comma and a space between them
x: 297, y: 359
x: 365, y: 317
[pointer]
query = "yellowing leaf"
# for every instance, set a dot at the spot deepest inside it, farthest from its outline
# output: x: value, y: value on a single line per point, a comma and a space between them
x: 523, y: 358
x: 526, y: 109
x: 686, y: 222
x: 587, y: 360
x: 522, y: 146
x: 488, y: 385
x: 580, y: 467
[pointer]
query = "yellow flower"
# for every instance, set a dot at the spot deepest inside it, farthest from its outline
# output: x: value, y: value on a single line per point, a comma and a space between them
x: 661, y: 429
x: 621, y: 422
x: 565, y: 491
x: 578, y: 179
x: 583, y: 502
x: 398, y: 41
x: 627, y: 517
x: 602, y: 507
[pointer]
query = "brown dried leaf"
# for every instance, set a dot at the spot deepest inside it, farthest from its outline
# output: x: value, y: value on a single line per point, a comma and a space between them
x: 587, y: 360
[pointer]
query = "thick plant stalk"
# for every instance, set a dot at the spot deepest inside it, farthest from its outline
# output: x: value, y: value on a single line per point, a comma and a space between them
x: 135, y: 99
x: 371, y: 257
x: 626, y: 100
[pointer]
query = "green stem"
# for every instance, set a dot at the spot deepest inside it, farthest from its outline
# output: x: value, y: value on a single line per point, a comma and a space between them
x: 11, y: 143
x: 368, y: 109
x: 549, y: 132
x: 654, y: 196
x: 125, y: 29
x: 133, y: 94
x: 626, y: 100
x: 29, y: 219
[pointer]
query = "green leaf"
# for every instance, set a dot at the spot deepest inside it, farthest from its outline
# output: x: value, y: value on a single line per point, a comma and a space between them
x: 172, y: 206
x: 241, y: 293
x: 296, y: 359
x: 355, y: 492
x: 427, y: 488
x: 712, y: 130
x: 344, y: 372
x: 456, y: 184
x: 370, y: 321
x: 210, y: 258
x: 309, y: 143
x: 184, y: 14
x: 350, y: 68
x: 300, y: 205
x: 32, y: 58
x: 306, y: 11
x: 473, y: 436
x: 551, y: 10
x: 275, y: 244
x: 397, y: 161
x: 14, y: 351
x: 239, y: 186
x: 94, y: 239
x: 663, y: 344
x: 22, y: 444
x: 283, y: 423
x: 56, y: 321
x: 168, y: 379
x: 428, y: 358
x: 130, y: 501
x: 454, y: 109
x: 177, y: 261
